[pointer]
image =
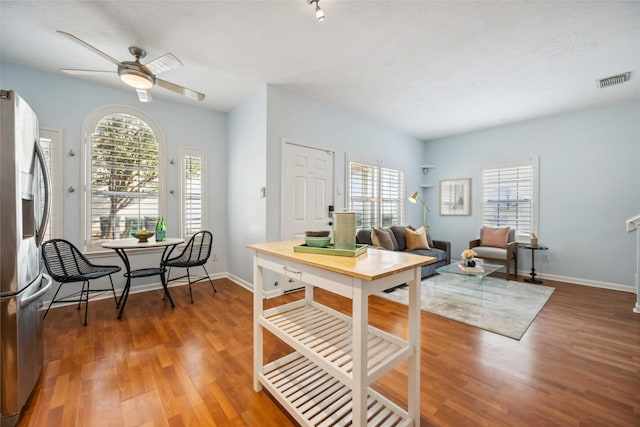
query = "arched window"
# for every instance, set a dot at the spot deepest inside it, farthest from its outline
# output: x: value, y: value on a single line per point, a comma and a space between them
x: 123, y: 177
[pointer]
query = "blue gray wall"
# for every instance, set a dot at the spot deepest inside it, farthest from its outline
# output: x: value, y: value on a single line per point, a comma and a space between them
x: 589, y: 174
x: 247, y: 174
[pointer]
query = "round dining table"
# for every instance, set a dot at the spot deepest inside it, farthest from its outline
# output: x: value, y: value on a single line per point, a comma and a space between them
x: 121, y: 247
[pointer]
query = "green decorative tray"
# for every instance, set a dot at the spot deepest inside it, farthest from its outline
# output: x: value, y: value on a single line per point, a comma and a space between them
x: 330, y: 250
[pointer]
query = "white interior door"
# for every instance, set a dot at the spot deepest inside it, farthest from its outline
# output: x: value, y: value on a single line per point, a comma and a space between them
x: 307, y: 193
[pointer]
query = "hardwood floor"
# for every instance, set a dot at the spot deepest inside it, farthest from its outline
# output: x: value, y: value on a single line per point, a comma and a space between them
x: 578, y: 364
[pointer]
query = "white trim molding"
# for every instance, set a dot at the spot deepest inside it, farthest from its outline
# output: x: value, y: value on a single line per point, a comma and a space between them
x: 582, y: 282
x: 633, y: 224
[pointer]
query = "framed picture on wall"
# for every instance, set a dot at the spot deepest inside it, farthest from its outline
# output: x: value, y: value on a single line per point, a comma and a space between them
x: 455, y: 196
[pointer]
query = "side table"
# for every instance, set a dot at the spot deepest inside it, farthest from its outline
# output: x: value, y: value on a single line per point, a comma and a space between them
x: 533, y: 257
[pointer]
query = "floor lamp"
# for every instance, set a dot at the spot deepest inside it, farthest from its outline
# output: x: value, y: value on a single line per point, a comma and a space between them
x: 414, y: 199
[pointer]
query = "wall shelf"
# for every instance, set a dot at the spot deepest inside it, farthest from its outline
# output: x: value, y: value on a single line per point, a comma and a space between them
x: 425, y: 168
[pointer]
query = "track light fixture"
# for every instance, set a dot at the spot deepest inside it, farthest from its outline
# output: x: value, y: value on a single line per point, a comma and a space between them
x: 319, y: 12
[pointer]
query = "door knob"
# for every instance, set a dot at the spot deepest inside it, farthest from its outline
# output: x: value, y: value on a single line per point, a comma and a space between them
x: 330, y: 222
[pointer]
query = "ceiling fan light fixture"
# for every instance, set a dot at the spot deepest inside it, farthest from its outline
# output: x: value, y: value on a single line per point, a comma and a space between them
x: 141, y: 77
x: 136, y: 79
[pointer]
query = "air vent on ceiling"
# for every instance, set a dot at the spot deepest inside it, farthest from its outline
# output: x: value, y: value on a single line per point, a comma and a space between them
x: 614, y: 80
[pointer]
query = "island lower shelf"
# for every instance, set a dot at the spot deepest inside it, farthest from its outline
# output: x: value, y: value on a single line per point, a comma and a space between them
x: 316, y: 398
x: 325, y: 337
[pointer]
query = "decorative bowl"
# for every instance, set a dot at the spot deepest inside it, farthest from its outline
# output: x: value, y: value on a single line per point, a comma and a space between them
x: 143, y: 237
x: 322, y: 233
x: 317, y: 242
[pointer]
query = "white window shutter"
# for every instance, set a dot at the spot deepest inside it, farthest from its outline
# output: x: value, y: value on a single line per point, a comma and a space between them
x: 375, y: 194
x: 124, y: 178
x: 192, y: 194
x: 509, y: 197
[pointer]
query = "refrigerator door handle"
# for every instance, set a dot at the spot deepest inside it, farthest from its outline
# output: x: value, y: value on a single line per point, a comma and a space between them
x: 47, y: 195
x: 31, y: 298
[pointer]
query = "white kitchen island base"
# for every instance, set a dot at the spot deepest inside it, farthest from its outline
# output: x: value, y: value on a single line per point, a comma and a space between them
x: 326, y: 380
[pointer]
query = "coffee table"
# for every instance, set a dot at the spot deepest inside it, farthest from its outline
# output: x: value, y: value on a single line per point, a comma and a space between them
x: 467, y: 280
x: 454, y: 268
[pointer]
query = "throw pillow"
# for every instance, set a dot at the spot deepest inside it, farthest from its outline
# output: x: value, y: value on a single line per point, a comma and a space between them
x: 416, y: 239
x: 398, y: 233
x: 384, y: 239
x: 494, y: 237
x: 429, y: 241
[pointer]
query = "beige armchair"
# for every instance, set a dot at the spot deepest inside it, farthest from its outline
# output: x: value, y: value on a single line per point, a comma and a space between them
x: 492, y: 252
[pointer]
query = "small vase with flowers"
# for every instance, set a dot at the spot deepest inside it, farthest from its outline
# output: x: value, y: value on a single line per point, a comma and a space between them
x: 467, y: 257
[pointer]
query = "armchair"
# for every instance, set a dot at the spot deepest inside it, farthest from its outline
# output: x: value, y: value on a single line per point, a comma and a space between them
x: 493, y: 248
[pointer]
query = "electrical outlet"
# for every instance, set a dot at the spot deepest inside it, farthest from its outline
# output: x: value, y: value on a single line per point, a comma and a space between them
x: 545, y: 257
x: 215, y: 257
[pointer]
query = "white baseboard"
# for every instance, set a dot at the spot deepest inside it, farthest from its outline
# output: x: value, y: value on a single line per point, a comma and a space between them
x: 134, y: 290
x: 248, y: 286
x: 584, y: 282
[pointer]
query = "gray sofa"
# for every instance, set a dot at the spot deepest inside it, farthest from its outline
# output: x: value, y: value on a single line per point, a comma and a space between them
x: 440, y: 250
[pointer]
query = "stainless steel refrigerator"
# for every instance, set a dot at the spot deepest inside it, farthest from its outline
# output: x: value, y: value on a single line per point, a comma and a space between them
x: 24, y: 212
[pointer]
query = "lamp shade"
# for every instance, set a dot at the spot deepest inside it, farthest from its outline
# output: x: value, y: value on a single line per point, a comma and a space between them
x: 413, y: 198
x: 136, y: 79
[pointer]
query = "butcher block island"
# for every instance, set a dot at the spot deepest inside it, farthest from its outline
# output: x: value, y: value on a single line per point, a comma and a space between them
x: 326, y: 380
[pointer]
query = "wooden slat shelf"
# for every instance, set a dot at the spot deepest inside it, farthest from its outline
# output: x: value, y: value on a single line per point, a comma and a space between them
x: 316, y: 398
x: 326, y: 337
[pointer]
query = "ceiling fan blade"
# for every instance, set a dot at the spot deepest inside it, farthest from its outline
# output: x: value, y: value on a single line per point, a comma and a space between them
x: 180, y: 89
x: 144, y: 95
x: 91, y: 48
x: 78, y: 72
x: 164, y: 63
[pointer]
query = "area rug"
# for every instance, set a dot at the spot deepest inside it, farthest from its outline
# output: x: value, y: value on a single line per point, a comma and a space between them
x: 497, y: 305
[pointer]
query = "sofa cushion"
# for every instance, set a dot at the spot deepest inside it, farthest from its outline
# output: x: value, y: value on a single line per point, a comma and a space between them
x: 438, y: 254
x: 494, y: 237
x: 416, y: 239
x: 491, y: 252
x: 384, y: 238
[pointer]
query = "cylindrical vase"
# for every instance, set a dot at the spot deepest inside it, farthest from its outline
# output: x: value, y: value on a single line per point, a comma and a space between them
x: 344, y: 230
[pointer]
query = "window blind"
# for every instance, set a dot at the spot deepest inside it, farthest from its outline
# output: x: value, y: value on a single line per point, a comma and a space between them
x: 363, y: 194
x: 508, y: 198
x: 192, y: 194
x: 375, y: 194
x: 124, y: 177
x: 391, y: 197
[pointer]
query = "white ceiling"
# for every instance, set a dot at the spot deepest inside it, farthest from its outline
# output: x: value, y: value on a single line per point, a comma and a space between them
x: 426, y: 68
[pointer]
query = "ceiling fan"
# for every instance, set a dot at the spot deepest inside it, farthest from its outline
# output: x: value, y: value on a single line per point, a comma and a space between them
x: 141, y: 77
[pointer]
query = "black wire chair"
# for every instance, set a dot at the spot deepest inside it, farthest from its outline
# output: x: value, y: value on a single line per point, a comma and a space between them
x: 66, y: 264
x: 195, y: 254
